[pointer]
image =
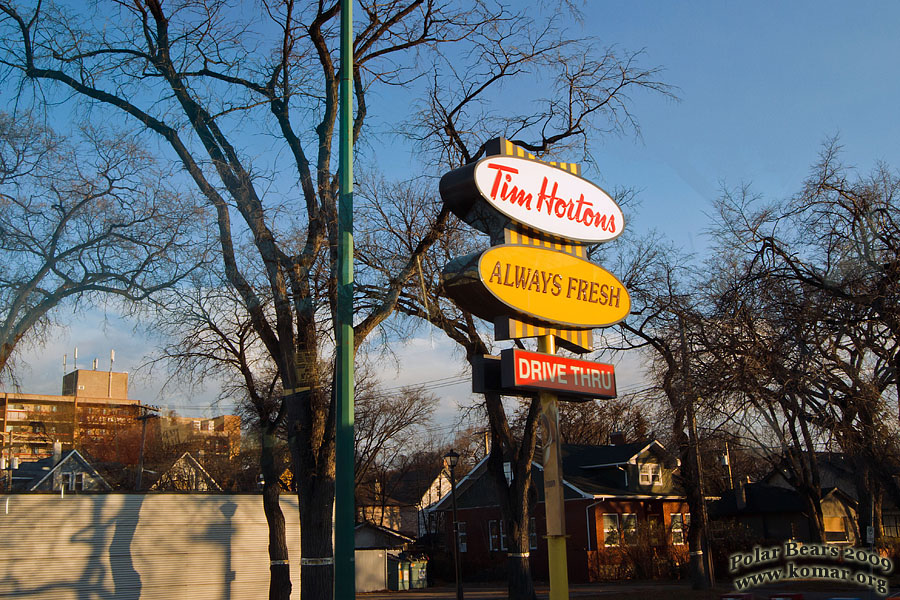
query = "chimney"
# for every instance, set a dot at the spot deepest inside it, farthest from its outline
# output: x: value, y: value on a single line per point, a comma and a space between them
x: 57, y: 452
x: 617, y: 438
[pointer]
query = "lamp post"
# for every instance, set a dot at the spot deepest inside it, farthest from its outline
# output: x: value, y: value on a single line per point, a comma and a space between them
x: 452, y: 459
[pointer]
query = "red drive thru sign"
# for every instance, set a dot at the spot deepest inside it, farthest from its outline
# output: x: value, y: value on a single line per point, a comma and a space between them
x: 567, y: 376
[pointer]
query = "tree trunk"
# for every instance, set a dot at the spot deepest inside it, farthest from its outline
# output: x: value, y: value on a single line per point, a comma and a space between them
x: 513, y: 496
x: 5, y: 352
x: 699, y: 576
x: 279, y: 568
x: 521, y: 584
x: 866, y: 492
x: 316, y: 549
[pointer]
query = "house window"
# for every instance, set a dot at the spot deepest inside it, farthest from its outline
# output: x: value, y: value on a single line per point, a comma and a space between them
x: 610, y: 529
x: 680, y: 521
x: 507, y: 471
x: 891, y: 525
x: 629, y: 528
x: 835, y: 530
x: 650, y: 474
x: 196, y: 425
x: 532, y: 534
x: 210, y: 426
x: 461, y: 529
x: 497, y: 535
x: 79, y: 481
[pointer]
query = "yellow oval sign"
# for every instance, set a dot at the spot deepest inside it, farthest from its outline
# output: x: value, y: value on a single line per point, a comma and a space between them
x: 553, y: 286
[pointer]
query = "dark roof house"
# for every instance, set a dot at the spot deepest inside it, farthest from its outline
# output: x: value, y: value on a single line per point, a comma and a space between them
x: 59, y: 473
x: 616, y: 497
x: 401, y: 499
x: 773, y: 514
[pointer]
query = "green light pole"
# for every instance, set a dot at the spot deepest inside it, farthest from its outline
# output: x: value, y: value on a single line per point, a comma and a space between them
x: 344, y: 509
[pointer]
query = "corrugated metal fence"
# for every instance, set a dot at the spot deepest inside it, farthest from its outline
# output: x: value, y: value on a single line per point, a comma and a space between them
x: 155, y: 546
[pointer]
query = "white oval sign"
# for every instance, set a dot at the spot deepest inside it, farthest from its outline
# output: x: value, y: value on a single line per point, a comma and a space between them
x: 548, y: 199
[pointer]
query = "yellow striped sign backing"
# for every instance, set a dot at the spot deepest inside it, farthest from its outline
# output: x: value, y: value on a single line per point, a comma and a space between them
x: 509, y: 149
x: 579, y: 341
x: 524, y: 236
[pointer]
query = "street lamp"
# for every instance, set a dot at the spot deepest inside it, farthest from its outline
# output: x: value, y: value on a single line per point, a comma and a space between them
x: 452, y: 459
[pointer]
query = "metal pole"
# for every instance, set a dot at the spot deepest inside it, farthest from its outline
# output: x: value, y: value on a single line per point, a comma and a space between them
x: 554, y: 504
x: 456, y: 565
x: 344, y: 509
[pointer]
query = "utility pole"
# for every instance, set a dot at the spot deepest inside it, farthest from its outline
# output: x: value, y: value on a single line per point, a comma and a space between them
x: 554, y: 504
x: 140, y: 470
x: 703, y: 556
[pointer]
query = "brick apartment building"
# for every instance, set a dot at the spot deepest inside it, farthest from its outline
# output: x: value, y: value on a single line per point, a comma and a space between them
x: 94, y: 407
x: 95, y: 414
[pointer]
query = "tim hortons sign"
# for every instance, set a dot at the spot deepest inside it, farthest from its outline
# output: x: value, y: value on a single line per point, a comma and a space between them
x: 523, y: 370
x: 493, y: 191
x: 546, y: 285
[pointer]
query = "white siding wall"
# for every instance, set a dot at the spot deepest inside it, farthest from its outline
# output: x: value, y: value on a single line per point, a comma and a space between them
x: 155, y: 546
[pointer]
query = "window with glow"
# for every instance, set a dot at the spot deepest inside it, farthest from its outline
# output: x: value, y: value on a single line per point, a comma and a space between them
x: 610, y: 529
x: 651, y: 474
x: 629, y: 528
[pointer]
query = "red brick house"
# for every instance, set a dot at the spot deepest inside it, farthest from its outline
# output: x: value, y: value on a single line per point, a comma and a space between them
x: 626, y: 516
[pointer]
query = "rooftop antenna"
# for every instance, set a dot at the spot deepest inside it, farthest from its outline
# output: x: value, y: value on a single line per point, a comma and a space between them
x: 75, y: 359
x: 112, y: 359
x: 94, y: 363
x: 65, y: 356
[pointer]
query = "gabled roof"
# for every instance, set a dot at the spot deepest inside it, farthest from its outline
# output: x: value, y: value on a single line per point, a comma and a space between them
x: 189, y: 463
x: 762, y: 498
x: 382, y: 537
x: 836, y: 470
x: 411, y: 485
x: 44, y: 469
x: 402, y: 488
x: 589, y: 457
x: 588, y: 472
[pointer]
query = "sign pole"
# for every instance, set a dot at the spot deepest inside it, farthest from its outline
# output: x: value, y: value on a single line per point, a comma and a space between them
x: 345, y: 509
x: 553, y: 486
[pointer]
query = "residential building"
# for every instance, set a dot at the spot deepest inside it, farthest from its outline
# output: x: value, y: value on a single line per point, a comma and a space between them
x: 95, y: 415
x: 619, y: 499
x: 218, y: 437
x: 66, y: 473
x: 401, y: 500
x: 771, y: 514
x: 185, y: 475
x: 93, y: 411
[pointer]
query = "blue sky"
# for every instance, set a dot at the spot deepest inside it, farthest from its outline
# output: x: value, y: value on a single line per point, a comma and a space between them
x: 761, y: 86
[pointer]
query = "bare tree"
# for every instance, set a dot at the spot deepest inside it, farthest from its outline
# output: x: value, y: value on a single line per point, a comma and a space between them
x: 208, y: 335
x: 387, y: 424
x: 814, y: 287
x: 218, y: 84
x: 663, y: 325
x: 83, y: 219
x: 838, y: 235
